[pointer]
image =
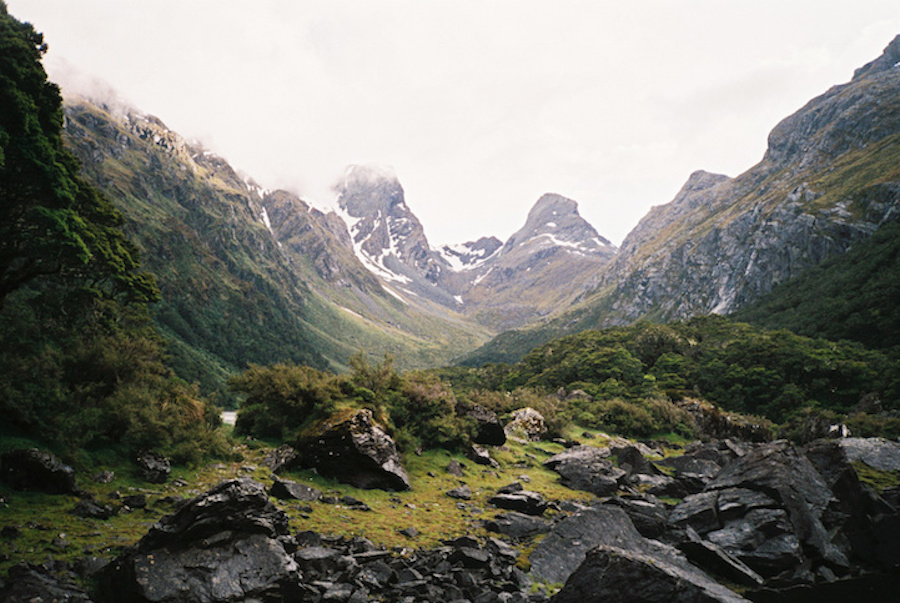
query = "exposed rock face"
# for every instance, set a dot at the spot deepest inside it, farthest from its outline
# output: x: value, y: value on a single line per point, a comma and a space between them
x: 354, y: 449
x: 224, y: 545
x: 773, y: 490
x: 724, y: 242
x: 33, y: 469
x: 552, y: 259
x: 387, y: 236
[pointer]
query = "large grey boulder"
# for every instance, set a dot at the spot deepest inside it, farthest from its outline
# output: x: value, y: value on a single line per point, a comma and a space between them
x: 526, y: 424
x: 488, y: 426
x: 587, y: 468
x: 227, y: 544
x: 767, y: 510
x: 564, y: 548
x: 352, y: 448
x: 610, y: 573
x: 36, y: 470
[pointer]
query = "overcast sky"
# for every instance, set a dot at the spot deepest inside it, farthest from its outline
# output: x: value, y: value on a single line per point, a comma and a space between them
x: 480, y: 106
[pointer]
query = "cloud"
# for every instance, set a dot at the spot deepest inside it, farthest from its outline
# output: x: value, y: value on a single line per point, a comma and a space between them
x: 480, y: 106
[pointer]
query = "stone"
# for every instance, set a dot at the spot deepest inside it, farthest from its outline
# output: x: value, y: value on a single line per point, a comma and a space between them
x: 462, y: 493
x: 647, y: 513
x: 135, y: 501
x: 767, y: 509
x: 877, y: 453
x: 280, y: 459
x: 91, y: 509
x: 714, y: 558
x: 523, y: 501
x: 153, y: 467
x: 455, y: 468
x: 632, y: 461
x: 284, y: 489
x: 103, y: 477
x: 488, y: 427
x: 517, y: 525
x: 227, y: 544
x: 38, y: 471
x: 36, y: 583
x: 587, y: 468
x: 526, y: 424
x: 352, y: 448
x: 564, y: 549
x: 610, y: 573
x: 480, y: 456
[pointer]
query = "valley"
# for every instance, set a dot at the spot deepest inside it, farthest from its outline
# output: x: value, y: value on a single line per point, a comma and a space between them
x: 709, y: 412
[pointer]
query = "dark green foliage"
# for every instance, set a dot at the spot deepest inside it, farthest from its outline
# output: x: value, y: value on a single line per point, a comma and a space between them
x: 51, y: 222
x: 95, y: 381
x: 855, y: 296
x: 740, y: 367
x: 282, y: 399
x: 418, y: 409
x: 81, y: 367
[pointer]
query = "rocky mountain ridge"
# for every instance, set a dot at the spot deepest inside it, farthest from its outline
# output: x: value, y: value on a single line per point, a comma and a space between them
x: 247, y: 274
x: 552, y: 259
x: 828, y: 180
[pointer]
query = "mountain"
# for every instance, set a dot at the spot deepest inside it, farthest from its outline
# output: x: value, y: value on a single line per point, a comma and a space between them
x: 387, y: 237
x: 543, y: 267
x: 829, y: 179
x: 247, y: 275
x: 855, y: 296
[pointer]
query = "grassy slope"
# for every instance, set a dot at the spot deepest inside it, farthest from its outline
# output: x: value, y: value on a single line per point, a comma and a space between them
x: 426, y: 507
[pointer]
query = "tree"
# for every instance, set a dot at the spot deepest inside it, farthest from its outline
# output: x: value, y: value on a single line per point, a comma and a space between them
x: 51, y: 221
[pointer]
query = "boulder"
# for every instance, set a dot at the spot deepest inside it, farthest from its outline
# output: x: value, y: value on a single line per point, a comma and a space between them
x: 153, y: 467
x: 91, y: 509
x: 564, y: 549
x: 587, y: 468
x: 455, y: 468
x: 526, y: 424
x: 488, y: 427
x: 280, y: 459
x: 517, y: 525
x: 352, y: 448
x: 647, y: 513
x: 869, y: 522
x: 610, y: 573
x: 38, y: 583
x: 523, y: 501
x: 480, y: 456
x: 285, y: 489
x: 766, y: 509
x: 36, y: 470
x: 227, y: 544
x: 462, y: 492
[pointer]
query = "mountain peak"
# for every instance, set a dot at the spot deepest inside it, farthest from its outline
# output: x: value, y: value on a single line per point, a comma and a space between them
x: 550, y: 206
x: 368, y: 190
x: 554, y: 221
x: 889, y: 59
